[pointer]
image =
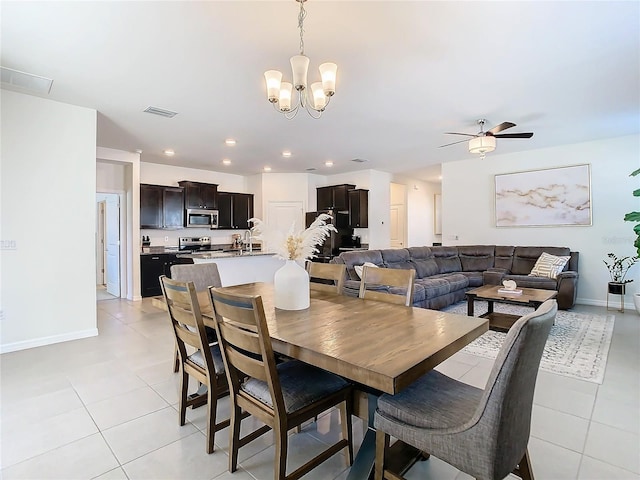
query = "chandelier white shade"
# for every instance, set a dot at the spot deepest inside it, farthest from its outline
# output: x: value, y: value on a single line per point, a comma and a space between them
x: 313, y: 99
x: 482, y: 144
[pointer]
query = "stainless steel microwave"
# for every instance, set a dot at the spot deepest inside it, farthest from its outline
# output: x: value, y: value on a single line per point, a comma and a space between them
x: 201, y: 218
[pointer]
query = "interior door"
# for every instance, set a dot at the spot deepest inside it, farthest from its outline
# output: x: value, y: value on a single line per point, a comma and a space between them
x: 112, y: 235
x: 101, y: 252
x: 281, y: 215
x: 396, y: 226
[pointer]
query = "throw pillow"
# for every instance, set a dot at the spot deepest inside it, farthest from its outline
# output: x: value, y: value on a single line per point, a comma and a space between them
x: 359, y: 268
x: 548, y: 266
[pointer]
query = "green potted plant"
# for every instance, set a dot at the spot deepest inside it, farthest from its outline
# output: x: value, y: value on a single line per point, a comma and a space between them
x: 618, y: 268
x: 635, y: 217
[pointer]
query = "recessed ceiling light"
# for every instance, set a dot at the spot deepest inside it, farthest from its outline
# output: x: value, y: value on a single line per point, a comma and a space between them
x: 267, y: 169
x: 169, y: 153
x: 329, y: 163
x: 286, y: 154
x: 226, y: 161
x: 230, y: 141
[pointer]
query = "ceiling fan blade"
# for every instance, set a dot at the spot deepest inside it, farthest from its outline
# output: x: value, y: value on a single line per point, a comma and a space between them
x: 460, y: 141
x: 456, y: 133
x: 502, y: 126
x: 514, y: 135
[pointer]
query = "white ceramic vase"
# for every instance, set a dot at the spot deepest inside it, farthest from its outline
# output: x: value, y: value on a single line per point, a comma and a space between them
x: 291, y: 285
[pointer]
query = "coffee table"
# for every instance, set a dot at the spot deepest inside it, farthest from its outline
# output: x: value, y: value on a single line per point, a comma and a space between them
x: 502, y: 322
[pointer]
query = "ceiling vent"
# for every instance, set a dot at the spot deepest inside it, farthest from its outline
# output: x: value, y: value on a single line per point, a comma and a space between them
x: 359, y: 160
x: 160, y: 111
x: 311, y: 169
x: 25, y: 81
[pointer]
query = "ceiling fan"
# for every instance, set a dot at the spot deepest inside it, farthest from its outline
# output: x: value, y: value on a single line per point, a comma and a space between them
x: 484, y: 142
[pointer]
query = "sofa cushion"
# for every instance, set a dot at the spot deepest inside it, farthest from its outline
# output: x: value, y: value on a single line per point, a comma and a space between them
x: 476, y: 258
x: 524, y: 258
x: 358, y: 257
x: 433, y: 287
x: 533, y: 282
x: 548, y: 266
x: 425, y: 267
x: 476, y: 279
x: 420, y: 253
x: 447, y: 259
x: 503, y: 257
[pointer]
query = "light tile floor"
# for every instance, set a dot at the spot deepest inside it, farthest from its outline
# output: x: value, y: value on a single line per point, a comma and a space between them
x: 105, y: 407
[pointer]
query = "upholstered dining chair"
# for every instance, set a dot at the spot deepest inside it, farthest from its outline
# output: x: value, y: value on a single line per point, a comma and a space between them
x: 391, y: 285
x: 205, y: 364
x: 483, y: 433
x: 334, y: 272
x: 282, y: 396
x: 203, y: 276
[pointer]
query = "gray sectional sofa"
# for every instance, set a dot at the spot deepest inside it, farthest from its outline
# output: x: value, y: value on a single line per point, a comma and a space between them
x: 445, y: 273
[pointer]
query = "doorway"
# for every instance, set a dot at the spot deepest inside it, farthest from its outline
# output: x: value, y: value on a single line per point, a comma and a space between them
x: 108, y: 245
x: 398, y: 215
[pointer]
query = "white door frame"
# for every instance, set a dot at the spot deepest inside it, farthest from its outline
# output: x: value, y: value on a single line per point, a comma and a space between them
x: 102, y: 195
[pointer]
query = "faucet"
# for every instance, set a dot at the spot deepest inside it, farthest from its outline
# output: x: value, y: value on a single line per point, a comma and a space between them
x: 248, y: 241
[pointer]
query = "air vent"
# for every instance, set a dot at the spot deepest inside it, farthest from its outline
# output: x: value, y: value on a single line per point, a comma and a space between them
x: 359, y: 160
x: 25, y: 81
x: 160, y: 111
x: 311, y: 169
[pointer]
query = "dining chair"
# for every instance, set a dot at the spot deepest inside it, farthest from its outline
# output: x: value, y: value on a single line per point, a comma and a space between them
x: 483, y: 433
x: 283, y: 395
x: 203, y: 276
x: 205, y: 364
x: 333, y: 272
x: 392, y: 285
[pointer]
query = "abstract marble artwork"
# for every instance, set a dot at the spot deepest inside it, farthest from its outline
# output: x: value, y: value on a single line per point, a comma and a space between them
x: 555, y: 196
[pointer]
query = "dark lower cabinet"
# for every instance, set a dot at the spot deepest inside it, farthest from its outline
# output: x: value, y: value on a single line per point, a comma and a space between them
x: 152, y: 266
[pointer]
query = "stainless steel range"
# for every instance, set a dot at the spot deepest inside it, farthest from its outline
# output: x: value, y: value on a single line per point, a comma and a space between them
x: 195, y: 244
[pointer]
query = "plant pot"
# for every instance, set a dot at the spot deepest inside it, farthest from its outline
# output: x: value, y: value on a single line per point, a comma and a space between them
x: 617, y: 288
x: 636, y: 301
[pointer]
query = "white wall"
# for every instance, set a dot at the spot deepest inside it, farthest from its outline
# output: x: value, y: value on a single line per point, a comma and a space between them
x: 468, y: 206
x: 48, y: 173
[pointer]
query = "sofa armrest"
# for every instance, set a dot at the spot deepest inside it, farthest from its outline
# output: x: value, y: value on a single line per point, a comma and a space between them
x: 493, y: 276
x: 567, y: 289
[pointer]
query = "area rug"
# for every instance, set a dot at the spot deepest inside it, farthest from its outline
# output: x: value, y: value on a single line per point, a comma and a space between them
x: 577, y: 347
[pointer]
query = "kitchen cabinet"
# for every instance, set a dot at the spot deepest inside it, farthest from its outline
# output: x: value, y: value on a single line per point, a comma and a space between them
x: 334, y: 197
x: 152, y: 266
x: 161, y: 207
x: 199, y: 195
x: 359, y: 208
x: 234, y: 210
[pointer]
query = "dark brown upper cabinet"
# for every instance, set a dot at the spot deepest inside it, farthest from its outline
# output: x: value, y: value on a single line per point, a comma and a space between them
x: 334, y: 197
x: 359, y: 208
x: 200, y: 195
x: 234, y: 210
x: 161, y: 207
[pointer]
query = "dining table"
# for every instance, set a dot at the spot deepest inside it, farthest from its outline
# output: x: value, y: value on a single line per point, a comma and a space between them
x: 381, y: 347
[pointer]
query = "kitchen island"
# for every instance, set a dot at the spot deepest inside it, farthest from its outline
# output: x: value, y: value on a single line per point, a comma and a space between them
x: 238, y: 269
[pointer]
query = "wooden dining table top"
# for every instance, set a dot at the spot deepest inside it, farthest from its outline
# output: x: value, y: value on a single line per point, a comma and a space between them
x: 381, y: 345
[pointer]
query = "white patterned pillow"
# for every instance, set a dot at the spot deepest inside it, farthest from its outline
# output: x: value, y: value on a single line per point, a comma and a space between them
x: 359, y: 268
x: 548, y: 266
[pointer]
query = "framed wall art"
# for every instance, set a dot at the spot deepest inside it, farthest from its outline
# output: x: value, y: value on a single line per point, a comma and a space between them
x: 542, y: 198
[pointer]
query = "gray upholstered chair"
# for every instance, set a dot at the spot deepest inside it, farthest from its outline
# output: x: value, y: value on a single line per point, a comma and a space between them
x: 483, y: 433
x: 203, y: 276
x: 282, y: 396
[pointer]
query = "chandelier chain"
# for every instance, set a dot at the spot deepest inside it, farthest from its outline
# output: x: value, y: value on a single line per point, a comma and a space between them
x: 301, y: 17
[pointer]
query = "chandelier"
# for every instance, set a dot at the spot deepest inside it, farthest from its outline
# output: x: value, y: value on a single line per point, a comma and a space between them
x: 280, y: 93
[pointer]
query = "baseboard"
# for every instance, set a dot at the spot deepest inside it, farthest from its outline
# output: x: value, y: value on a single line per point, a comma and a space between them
x: 613, y: 304
x: 39, y: 342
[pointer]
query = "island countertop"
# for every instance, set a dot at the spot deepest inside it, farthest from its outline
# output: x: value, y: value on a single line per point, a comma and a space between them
x: 218, y: 254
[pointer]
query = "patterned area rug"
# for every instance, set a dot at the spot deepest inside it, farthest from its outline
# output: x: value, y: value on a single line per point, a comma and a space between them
x: 577, y: 346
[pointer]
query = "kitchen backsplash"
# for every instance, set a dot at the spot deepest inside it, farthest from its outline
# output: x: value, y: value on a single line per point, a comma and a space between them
x: 157, y: 237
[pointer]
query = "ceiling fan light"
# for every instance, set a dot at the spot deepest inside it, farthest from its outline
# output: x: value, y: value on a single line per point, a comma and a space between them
x: 273, y: 79
x: 328, y: 73
x: 482, y: 144
x: 299, y: 66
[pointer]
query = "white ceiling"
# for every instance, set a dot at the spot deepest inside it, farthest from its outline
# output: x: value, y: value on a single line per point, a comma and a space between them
x: 569, y: 71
